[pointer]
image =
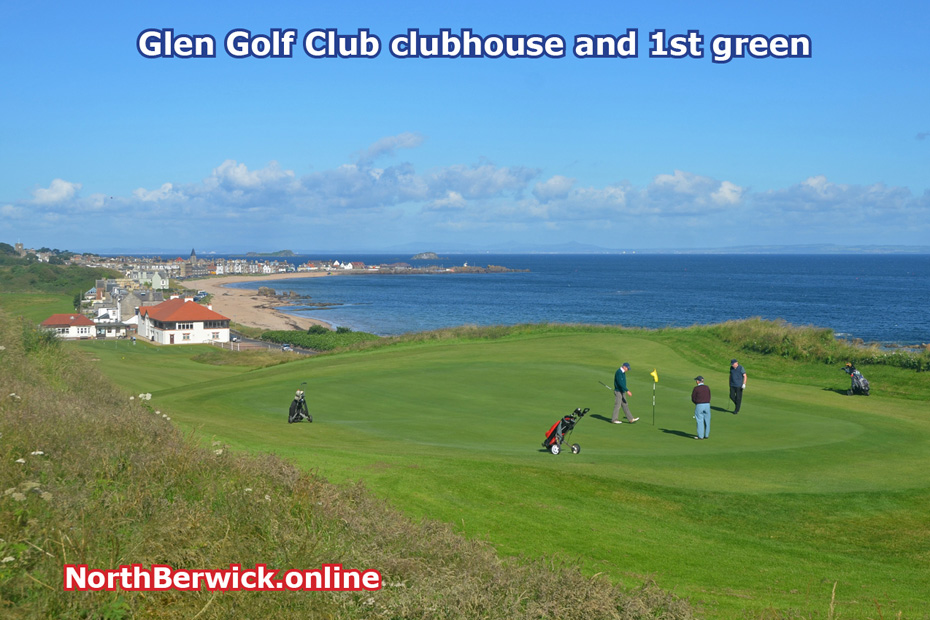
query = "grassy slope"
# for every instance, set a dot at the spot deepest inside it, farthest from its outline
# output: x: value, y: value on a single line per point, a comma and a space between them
x: 36, y: 291
x: 805, y: 488
x: 35, y: 307
x: 93, y: 477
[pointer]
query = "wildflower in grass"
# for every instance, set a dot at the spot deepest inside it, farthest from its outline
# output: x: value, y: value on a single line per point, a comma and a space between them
x: 37, y: 453
x: 217, y: 452
x: 46, y: 496
x: 10, y: 490
x: 19, y: 497
x: 248, y: 490
x: 29, y: 485
x: 21, y: 461
x: 7, y: 559
x: 148, y: 396
x: 168, y: 418
x: 132, y: 398
x: 267, y: 498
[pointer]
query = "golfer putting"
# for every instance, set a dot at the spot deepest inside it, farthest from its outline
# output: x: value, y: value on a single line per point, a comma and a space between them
x: 700, y: 396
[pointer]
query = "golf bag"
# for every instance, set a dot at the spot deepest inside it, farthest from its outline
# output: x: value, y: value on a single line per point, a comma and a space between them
x: 859, y: 384
x: 561, y: 429
x: 298, y: 410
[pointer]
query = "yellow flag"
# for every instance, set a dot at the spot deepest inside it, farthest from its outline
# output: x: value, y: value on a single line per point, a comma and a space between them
x: 655, y: 375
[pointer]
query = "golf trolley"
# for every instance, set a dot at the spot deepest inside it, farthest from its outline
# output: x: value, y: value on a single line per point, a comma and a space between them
x: 562, y: 430
x: 859, y: 384
x: 297, y: 412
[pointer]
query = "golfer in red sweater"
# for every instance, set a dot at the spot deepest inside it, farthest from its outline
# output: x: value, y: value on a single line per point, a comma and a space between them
x: 700, y: 396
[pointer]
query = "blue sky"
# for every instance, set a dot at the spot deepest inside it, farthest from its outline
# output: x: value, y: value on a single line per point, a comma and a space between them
x: 103, y: 149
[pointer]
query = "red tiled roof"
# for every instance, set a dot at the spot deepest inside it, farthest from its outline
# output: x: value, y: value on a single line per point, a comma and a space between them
x: 175, y: 310
x: 66, y: 320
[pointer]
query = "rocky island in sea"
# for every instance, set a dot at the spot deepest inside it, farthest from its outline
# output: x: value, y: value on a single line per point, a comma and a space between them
x: 278, y: 254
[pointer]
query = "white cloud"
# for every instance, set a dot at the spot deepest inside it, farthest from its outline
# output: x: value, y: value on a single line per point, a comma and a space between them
x: 240, y: 206
x: 388, y: 146
x: 819, y: 196
x: 233, y: 175
x: 480, y: 182
x: 12, y: 212
x: 681, y: 182
x: 553, y: 188
x: 165, y: 192
x: 727, y: 193
x: 451, y: 201
x: 59, y: 191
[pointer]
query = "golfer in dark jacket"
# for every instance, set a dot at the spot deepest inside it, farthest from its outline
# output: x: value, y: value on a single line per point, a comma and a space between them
x: 737, y: 384
x: 620, y: 394
x: 700, y: 396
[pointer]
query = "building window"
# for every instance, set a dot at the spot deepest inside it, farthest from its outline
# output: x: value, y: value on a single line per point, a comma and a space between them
x: 185, y: 336
x: 215, y: 335
x: 185, y: 326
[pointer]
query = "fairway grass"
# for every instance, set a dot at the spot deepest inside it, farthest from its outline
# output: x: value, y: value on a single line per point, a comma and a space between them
x: 804, y: 489
x: 35, y: 307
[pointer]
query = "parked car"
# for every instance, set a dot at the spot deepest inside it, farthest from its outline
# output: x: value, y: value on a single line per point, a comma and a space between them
x: 286, y: 347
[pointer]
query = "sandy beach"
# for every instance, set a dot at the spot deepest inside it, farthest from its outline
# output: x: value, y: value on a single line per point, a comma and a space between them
x: 245, y: 307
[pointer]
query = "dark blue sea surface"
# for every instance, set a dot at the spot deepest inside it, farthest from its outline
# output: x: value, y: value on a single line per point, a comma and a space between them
x: 878, y: 298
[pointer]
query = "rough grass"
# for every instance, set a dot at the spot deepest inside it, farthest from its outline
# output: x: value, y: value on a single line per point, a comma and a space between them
x: 92, y: 477
x: 262, y: 358
x: 810, y: 343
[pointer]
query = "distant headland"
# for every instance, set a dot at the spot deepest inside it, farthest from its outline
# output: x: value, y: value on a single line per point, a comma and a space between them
x: 279, y: 253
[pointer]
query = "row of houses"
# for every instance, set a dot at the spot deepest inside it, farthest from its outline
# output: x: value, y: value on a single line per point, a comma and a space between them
x: 175, y: 321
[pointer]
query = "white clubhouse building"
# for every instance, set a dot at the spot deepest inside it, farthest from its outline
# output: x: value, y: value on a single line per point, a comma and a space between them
x: 180, y: 321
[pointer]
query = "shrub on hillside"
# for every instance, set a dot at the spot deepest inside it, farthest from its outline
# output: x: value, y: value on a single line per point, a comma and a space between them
x: 326, y: 341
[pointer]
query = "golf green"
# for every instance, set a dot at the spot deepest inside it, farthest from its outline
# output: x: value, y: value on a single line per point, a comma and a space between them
x: 805, y: 488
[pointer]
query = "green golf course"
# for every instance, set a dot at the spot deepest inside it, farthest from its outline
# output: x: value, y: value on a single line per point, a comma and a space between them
x: 808, y: 504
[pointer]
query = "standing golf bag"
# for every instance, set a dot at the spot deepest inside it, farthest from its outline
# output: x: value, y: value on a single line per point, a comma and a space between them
x: 859, y: 385
x: 557, y: 434
x: 298, y: 410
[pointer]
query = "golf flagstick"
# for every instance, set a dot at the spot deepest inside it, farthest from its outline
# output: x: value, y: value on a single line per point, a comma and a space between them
x: 655, y: 377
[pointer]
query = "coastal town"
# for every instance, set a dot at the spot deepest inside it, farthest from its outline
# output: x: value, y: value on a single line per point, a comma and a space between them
x: 157, y: 269
x: 184, y: 300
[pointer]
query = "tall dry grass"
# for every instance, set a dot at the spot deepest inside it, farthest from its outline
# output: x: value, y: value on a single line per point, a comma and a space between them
x: 809, y: 343
x: 89, y: 476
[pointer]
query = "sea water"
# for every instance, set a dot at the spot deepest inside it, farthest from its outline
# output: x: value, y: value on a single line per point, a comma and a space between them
x: 878, y: 298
